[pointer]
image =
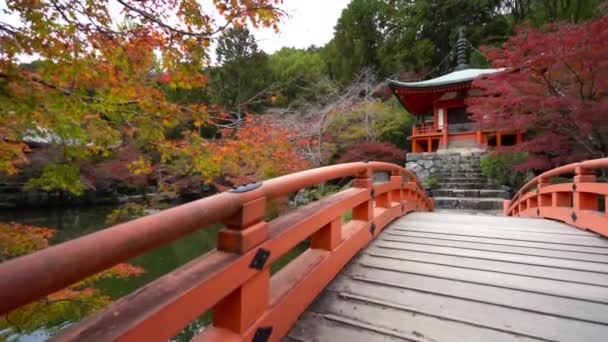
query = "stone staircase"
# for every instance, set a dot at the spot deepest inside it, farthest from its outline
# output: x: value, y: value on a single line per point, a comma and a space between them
x: 460, y: 183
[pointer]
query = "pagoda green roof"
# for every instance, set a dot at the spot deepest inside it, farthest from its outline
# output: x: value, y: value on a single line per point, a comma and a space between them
x: 454, y: 77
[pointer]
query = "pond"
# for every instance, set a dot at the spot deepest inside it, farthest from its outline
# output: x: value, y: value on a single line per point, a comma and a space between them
x: 71, y: 223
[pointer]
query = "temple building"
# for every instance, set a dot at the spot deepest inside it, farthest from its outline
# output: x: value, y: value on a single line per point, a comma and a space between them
x: 443, y: 123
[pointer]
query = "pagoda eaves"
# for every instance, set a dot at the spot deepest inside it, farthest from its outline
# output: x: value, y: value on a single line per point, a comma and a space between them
x: 430, y: 90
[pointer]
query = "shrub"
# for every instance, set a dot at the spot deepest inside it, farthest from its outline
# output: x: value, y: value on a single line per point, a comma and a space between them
x: 374, y: 151
x: 501, y: 168
x: 432, y: 182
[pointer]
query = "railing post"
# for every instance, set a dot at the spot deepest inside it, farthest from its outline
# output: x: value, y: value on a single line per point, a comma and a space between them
x: 244, y: 305
x: 412, y: 197
x: 246, y: 229
x: 328, y: 237
x: 506, y: 204
x: 519, y: 139
x: 542, y: 182
x: 384, y: 200
x: 583, y: 200
x: 243, y: 232
x: 365, y: 210
x: 397, y: 194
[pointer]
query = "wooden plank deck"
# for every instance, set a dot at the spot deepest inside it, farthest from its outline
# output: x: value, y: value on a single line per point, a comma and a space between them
x: 449, y: 277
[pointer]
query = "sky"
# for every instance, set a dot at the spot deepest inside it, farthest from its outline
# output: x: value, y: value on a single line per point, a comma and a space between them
x: 310, y: 22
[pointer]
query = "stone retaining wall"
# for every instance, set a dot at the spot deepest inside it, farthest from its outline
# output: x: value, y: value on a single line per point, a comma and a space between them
x: 425, y: 165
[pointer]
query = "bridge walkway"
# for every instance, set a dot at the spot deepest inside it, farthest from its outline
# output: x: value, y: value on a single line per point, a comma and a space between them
x: 450, y: 277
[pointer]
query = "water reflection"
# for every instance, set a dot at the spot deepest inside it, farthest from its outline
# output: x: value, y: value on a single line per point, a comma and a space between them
x: 74, y: 222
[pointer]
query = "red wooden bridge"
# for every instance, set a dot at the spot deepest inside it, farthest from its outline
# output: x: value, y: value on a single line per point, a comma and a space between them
x: 384, y: 275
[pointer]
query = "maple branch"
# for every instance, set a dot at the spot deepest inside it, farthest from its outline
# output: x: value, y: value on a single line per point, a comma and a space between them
x: 68, y: 92
x: 581, y: 87
x: 8, y: 28
x: 552, y: 88
x: 204, y: 35
x: 15, y: 325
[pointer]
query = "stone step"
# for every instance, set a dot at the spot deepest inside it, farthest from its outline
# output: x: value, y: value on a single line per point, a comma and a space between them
x: 458, y: 169
x: 472, y: 186
x: 445, y: 180
x: 468, y: 203
x: 461, y: 193
x: 460, y: 166
x: 462, y: 160
x: 459, y: 174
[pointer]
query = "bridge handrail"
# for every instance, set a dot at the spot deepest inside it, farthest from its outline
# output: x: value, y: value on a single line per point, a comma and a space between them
x: 575, y: 203
x: 242, y: 210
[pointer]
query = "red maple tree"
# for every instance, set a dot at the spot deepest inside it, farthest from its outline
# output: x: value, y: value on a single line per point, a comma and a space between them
x: 554, y: 87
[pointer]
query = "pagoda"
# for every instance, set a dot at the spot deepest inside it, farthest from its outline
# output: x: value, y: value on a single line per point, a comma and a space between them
x: 443, y: 123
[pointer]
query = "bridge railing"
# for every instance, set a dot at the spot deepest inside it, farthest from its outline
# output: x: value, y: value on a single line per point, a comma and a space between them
x: 234, y: 280
x: 581, y: 202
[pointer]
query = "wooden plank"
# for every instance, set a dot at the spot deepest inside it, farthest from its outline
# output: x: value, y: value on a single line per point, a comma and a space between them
x: 495, y: 316
x: 446, y: 277
x: 546, y: 238
x: 493, y: 227
x: 523, y: 283
x: 498, y: 248
x: 582, y: 277
x: 523, y: 259
x: 523, y: 300
x: 489, y: 230
x: 400, y: 320
x: 495, y: 241
x: 479, y: 219
x: 315, y: 327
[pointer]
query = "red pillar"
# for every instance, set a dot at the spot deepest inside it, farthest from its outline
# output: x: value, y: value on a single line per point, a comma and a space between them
x: 430, y: 145
x: 498, y: 139
x: 520, y: 138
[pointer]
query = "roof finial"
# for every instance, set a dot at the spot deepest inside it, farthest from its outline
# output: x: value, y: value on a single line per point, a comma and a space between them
x: 462, y: 51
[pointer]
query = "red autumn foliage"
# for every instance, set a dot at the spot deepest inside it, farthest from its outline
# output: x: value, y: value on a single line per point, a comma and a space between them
x: 118, y: 169
x: 555, y: 87
x: 258, y: 150
x: 374, y: 151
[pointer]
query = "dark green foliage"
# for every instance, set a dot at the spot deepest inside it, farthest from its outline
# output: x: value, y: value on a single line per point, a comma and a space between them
x: 298, y: 74
x: 540, y: 12
x: 432, y: 182
x: 240, y: 84
x: 357, y: 40
x: 413, y: 38
x: 501, y: 167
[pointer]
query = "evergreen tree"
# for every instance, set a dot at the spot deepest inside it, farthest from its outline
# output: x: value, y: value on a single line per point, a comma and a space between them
x: 240, y: 81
